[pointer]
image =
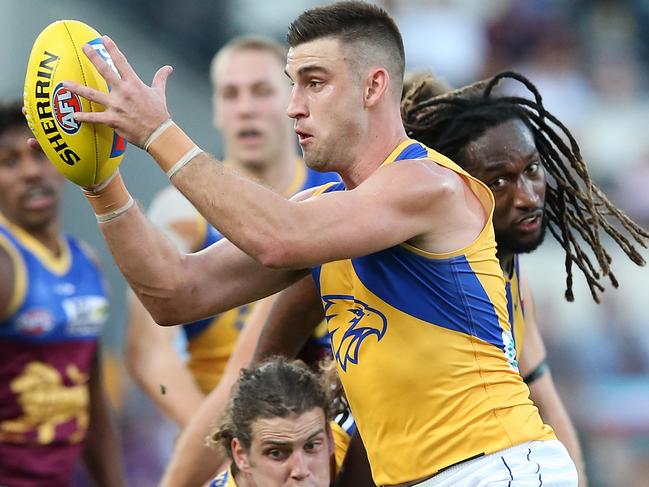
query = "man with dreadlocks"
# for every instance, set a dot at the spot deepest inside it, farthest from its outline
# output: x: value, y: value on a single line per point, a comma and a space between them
x: 516, y: 147
x: 574, y: 207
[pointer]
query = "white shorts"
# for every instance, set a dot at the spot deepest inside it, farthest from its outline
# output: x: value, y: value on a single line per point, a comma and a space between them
x: 533, y: 464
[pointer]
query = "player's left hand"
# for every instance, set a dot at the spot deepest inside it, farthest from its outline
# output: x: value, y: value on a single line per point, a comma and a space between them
x: 133, y: 108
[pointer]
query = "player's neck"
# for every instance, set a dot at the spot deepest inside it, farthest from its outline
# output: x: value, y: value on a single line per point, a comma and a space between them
x: 47, y: 235
x: 371, y: 152
x: 277, y: 174
x: 281, y: 174
x: 50, y: 238
x: 244, y: 480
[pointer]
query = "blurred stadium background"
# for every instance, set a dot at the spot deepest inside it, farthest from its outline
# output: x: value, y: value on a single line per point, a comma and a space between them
x: 590, y: 60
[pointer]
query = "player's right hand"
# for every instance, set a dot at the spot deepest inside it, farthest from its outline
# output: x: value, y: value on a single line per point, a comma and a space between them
x: 133, y: 109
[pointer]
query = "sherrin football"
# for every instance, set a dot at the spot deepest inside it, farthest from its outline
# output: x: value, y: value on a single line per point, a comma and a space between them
x: 85, y: 153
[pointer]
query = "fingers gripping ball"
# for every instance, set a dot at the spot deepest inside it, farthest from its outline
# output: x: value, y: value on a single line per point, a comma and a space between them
x: 87, y: 154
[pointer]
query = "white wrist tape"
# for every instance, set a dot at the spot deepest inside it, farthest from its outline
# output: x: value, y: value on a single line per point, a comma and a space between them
x: 182, y: 162
x: 106, y: 217
x: 156, y: 133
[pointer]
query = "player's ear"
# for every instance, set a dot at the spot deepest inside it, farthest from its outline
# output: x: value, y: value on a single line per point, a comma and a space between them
x: 376, y: 85
x: 240, y: 455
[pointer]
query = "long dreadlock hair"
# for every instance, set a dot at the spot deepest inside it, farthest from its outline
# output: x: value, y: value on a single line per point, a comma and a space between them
x: 575, y: 206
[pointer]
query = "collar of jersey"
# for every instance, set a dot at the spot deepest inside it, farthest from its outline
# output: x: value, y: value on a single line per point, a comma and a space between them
x: 394, y: 155
x: 56, y: 264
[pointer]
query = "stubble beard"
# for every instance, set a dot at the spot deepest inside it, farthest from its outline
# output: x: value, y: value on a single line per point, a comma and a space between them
x: 508, y: 241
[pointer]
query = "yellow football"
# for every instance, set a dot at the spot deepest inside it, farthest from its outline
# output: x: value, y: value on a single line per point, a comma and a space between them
x: 84, y: 153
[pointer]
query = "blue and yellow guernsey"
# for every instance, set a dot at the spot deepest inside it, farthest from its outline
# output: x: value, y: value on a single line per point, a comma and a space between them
x: 515, y: 307
x: 211, y: 341
x: 424, y: 349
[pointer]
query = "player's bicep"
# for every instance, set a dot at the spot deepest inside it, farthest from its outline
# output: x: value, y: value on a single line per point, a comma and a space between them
x: 389, y: 208
x: 222, y: 277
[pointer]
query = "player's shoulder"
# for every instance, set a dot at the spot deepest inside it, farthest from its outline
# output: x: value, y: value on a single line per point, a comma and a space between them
x: 422, y: 179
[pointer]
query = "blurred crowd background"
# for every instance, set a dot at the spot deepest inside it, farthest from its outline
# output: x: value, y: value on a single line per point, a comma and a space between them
x: 590, y: 60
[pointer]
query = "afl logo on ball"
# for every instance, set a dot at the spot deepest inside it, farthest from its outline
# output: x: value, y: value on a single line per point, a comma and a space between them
x: 64, y: 105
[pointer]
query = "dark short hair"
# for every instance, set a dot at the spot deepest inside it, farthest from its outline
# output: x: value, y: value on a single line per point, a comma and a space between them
x: 271, y: 389
x: 354, y: 23
x: 11, y: 115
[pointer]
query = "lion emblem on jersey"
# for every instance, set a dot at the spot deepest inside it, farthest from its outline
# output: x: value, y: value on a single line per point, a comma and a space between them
x: 47, y: 402
x: 354, y: 321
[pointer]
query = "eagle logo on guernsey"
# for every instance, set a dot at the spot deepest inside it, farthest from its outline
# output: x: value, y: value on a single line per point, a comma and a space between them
x: 355, y: 321
x: 64, y: 105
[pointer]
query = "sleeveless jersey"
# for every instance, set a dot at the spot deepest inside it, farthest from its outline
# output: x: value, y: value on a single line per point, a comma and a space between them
x: 515, y: 308
x: 48, y: 341
x: 424, y: 349
x: 211, y: 341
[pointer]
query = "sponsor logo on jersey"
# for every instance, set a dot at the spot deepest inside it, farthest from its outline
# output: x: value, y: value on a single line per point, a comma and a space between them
x: 34, y: 322
x: 86, y: 315
x: 65, y: 289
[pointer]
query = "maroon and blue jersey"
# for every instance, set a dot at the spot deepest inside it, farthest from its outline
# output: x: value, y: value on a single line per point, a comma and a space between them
x: 48, y: 342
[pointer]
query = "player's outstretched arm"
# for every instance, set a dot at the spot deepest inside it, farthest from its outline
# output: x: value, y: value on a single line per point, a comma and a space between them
x: 178, y: 288
x: 543, y: 392
x: 101, y: 454
x: 151, y: 355
x: 155, y: 365
x: 276, y: 232
x: 285, y: 322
